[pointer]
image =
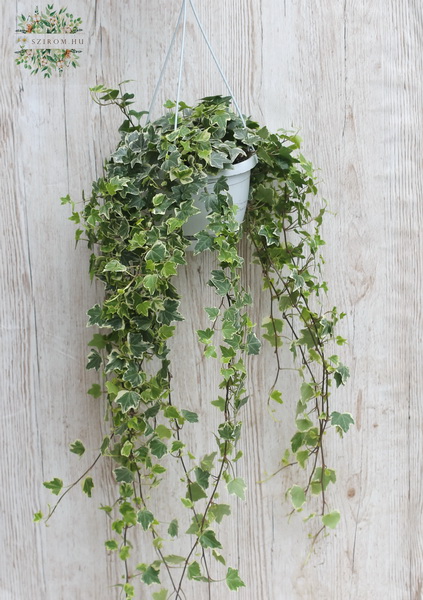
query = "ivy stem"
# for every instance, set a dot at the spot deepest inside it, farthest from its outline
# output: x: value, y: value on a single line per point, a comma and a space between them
x: 224, y: 458
x: 319, y: 348
x: 154, y: 534
x: 71, y: 487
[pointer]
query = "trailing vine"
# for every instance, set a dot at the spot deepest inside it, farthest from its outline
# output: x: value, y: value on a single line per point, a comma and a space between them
x: 133, y: 224
x: 286, y: 239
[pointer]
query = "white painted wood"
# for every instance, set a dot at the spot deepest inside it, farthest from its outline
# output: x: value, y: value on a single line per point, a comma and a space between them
x: 348, y: 76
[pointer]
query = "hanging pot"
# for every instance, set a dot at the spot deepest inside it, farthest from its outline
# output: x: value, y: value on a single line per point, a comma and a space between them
x: 238, y: 179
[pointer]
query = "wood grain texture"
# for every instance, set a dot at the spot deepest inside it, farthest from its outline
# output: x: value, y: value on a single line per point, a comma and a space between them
x: 348, y: 75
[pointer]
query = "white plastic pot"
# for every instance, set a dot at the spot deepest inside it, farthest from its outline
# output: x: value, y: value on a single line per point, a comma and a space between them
x: 238, y: 179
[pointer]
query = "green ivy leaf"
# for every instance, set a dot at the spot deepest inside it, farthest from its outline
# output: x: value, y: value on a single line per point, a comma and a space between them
x: 114, y: 266
x: 202, y: 478
x: 220, y: 282
x: 114, y: 362
x: 137, y: 345
x: 161, y: 595
x: 105, y: 444
x: 158, y: 469
x: 145, y: 518
x: 204, y: 242
x: 299, y: 281
x: 124, y: 475
x: 55, y: 486
x: 331, y: 519
x: 343, y: 420
x: 276, y: 395
x: 298, y: 497
x: 150, y: 282
x: 220, y: 403
x: 166, y: 331
x: 174, y: 559
x: 307, y: 338
x: 98, y: 341
x: 273, y: 329
x: 237, y: 486
x: 341, y: 375
x: 187, y: 502
x: 195, y: 492
x: 307, y: 391
x: 233, y: 580
x: 322, y: 478
x: 208, y: 540
x: 126, y: 490
x: 304, y: 424
x: 163, y: 432
x: 218, y: 511
x: 302, y: 457
x: 127, y: 400
x: 137, y: 240
x: 95, y: 390
x: 297, y: 441
x: 128, y: 514
x: 169, y: 269
x: 213, y: 313
x: 227, y: 354
x: 194, y: 571
x: 94, y: 360
x: 152, y: 411
x: 95, y: 317
x: 157, y: 252
x: 210, y: 352
x: 207, y: 461
x: 173, y: 224
x: 227, y: 431
x: 173, y: 528
x: 253, y: 344
x: 218, y: 160
x: 205, y: 335
x: 170, y: 412
x: 111, y: 545
x: 128, y: 589
x: 133, y: 375
x: 195, y: 528
x: 191, y: 417
x: 169, y: 312
x: 151, y: 575
x: 77, y: 447
x: 124, y: 552
x: 157, y: 447
x: 218, y: 557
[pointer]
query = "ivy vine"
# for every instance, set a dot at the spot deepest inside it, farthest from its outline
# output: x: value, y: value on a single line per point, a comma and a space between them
x: 133, y: 224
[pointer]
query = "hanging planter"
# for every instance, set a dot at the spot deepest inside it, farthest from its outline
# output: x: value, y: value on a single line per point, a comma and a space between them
x: 177, y: 184
x: 134, y: 223
x: 238, y: 181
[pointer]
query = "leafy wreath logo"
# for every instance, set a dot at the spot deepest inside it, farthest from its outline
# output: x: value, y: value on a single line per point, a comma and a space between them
x: 49, y: 22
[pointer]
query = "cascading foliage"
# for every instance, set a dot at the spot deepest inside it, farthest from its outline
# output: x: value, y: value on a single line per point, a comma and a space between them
x: 132, y: 222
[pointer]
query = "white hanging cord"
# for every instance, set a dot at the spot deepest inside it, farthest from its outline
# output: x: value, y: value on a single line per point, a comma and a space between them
x: 156, y: 90
x: 217, y: 63
x: 181, y: 63
x: 183, y: 12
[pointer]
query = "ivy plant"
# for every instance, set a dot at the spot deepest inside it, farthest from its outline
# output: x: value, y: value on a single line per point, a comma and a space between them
x: 132, y: 223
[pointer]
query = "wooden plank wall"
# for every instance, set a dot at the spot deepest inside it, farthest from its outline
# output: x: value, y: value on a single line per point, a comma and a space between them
x: 348, y: 75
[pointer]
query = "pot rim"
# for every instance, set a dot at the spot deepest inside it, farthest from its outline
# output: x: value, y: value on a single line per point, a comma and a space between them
x: 238, y: 168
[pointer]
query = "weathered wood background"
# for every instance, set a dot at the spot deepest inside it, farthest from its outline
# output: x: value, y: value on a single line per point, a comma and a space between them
x: 347, y: 74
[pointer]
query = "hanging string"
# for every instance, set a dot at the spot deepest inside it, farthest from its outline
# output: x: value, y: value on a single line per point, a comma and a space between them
x: 183, y: 13
x: 217, y: 62
x: 156, y: 90
x: 181, y: 63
